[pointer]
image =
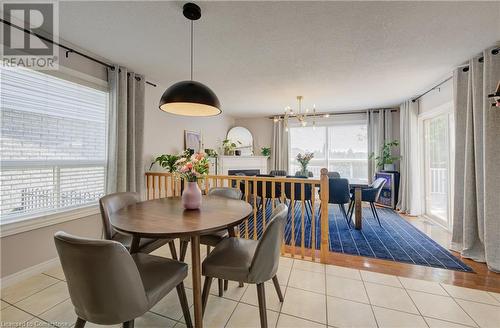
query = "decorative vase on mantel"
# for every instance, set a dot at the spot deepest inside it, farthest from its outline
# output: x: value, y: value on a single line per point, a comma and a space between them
x: 191, y: 196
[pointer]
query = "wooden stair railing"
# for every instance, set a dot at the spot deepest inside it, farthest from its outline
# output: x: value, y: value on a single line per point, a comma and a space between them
x: 164, y: 184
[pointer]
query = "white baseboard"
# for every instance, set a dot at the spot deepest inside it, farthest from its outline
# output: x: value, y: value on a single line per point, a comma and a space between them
x: 28, y: 272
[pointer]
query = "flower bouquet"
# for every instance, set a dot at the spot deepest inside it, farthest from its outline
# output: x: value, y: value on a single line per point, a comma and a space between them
x: 191, y: 169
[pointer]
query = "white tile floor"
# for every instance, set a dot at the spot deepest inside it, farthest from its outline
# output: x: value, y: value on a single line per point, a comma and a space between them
x: 316, y: 295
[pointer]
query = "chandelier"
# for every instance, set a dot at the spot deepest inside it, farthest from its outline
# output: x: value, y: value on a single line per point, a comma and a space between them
x: 302, y: 116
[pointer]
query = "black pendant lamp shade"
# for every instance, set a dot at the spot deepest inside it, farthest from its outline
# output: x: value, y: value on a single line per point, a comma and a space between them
x: 190, y: 98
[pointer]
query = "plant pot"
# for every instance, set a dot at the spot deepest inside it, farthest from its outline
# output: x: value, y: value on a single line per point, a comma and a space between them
x: 191, y: 197
x: 389, y: 167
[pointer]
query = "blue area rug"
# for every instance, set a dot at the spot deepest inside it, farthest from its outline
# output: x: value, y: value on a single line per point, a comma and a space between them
x: 397, y: 240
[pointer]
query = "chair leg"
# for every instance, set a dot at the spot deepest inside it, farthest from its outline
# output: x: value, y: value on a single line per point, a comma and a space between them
x: 80, y: 323
x: 374, y: 209
x: 206, y: 291
x: 278, y: 289
x: 261, y: 295
x: 221, y: 287
x: 352, y: 209
x: 128, y: 324
x: 183, y: 250
x: 240, y: 284
x: 226, y: 284
x: 208, y: 249
x: 181, y: 292
x: 173, y: 251
x: 342, y: 209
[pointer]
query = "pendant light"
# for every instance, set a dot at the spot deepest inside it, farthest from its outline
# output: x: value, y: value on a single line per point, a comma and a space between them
x: 190, y: 98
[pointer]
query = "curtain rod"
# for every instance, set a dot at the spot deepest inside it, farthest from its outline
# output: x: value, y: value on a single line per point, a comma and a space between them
x: 68, y: 49
x: 334, y: 113
x: 465, y: 68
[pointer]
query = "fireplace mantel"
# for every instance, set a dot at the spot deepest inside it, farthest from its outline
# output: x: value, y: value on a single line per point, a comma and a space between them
x: 227, y: 163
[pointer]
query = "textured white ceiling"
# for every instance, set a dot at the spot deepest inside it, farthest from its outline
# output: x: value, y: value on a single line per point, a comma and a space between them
x: 257, y: 56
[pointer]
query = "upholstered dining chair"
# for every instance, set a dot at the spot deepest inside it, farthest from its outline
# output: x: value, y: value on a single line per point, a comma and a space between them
x: 268, y: 195
x: 250, y: 261
x: 111, y: 203
x: 333, y: 174
x: 297, y: 194
x: 278, y: 173
x: 370, y: 195
x: 110, y: 286
x: 212, y: 239
x: 339, y: 193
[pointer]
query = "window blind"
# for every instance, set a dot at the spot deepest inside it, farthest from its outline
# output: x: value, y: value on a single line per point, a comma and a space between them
x: 52, y: 144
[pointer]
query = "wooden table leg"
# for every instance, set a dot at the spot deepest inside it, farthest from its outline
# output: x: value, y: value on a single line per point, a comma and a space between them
x: 196, y: 270
x: 357, y: 209
x: 134, y: 246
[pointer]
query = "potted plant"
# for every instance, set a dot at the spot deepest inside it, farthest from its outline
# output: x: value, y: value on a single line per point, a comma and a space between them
x: 191, y: 169
x: 265, y: 151
x: 385, y: 160
x: 166, y: 161
x: 304, y: 161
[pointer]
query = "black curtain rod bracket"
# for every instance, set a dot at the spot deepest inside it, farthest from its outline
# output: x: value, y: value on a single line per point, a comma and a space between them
x: 68, y: 49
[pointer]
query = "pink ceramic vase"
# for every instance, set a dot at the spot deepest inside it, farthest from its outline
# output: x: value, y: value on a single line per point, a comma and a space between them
x: 191, y: 197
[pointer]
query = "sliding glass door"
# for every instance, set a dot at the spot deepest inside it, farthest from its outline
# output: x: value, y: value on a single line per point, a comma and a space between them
x: 340, y: 145
x: 437, y: 167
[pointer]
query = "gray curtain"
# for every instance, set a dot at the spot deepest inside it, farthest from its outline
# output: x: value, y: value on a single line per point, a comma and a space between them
x: 476, y: 206
x: 379, y: 132
x: 279, y: 150
x: 409, y: 187
x: 125, y: 170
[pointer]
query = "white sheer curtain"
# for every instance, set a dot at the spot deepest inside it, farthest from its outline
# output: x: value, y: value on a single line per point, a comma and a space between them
x: 409, y: 186
x: 279, y: 150
x: 125, y: 131
x: 476, y: 207
x: 379, y: 132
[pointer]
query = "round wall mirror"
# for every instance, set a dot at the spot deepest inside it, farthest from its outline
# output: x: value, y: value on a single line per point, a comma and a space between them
x: 242, y: 138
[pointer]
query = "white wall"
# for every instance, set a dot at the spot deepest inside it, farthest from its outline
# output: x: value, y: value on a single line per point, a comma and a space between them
x: 437, y: 97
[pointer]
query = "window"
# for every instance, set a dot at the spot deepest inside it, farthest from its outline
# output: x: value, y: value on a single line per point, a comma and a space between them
x: 53, y: 144
x: 340, y: 144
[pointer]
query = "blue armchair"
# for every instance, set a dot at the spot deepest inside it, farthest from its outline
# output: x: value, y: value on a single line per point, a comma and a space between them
x: 371, y: 195
x: 339, y: 193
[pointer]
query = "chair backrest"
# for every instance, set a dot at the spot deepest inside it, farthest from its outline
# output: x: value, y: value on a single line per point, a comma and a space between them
x: 267, y: 255
x: 278, y: 173
x: 378, y: 184
x: 333, y: 175
x: 103, y: 280
x: 269, y: 187
x: 111, y: 203
x: 297, y: 189
x: 233, y: 193
x: 338, y: 191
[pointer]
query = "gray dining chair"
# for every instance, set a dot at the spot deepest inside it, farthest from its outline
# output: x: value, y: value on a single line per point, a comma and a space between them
x: 333, y: 174
x: 212, y: 239
x: 371, y: 195
x: 110, y: 286
x: 250, y: 261
x: 110, y: 204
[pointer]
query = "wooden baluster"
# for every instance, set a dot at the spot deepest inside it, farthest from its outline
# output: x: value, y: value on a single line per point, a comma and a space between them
x: 254, y: 187
x: 148, y: 187
x: 263, y: 200
x: 246, y: 199
x: 313, y: 222
x: 292, y: 204
x: 163, y: 186
x: 207, y: 186
x: 155, y: 187
x: 303, y: 209
x: 172, y: 185
x: 283, y: 202
x: 273, y: 193
x: 178, y: 188
x: 325, y: 247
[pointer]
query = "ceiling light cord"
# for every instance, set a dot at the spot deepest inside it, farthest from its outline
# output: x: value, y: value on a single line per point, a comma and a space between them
x: 192, y: 36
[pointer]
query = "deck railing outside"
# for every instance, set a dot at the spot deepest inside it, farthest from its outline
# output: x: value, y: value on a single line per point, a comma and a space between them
x: 306, y: 231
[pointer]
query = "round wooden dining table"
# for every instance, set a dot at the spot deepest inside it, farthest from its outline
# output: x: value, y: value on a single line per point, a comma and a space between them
x: 166, y: 218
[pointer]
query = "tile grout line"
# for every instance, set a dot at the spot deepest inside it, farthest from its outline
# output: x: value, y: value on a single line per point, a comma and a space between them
x: 326, y: 297
x: 460, y: 306
x: 369, y: 300
x: 413, y: 302
x: 22, y: 299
